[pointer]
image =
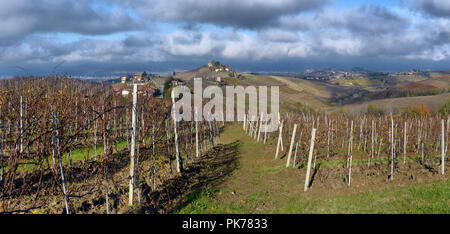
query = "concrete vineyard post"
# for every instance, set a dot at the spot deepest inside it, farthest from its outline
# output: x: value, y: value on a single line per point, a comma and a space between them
x: 311, y: 150
x: 350, y: 151
x: 21, y: 124
x: 133, y: 145
x: 373, y: 134
x: 197, y: 153
x: 448, y: 130
x: 177, y: 152
x: 291, y: 146
x: 1, y: 145
x: 69, y: 155
x: 115, y: 125
x: 95, y: 135
x: 265, y: 132
x: 260, y: 125
x: 328, y: 138
x: 255, y: 134
x: 392, y: 148
x: 295, y: 155
x: 442, y: 148
x: 56, y: 148
x: 279, y: 140
x: 106, y: 150
x: 405, y: 142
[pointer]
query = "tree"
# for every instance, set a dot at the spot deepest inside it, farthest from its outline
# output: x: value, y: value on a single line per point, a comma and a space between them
x: 373, y: 109
x: 445, y: 109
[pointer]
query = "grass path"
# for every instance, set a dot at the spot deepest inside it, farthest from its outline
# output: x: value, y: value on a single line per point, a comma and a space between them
x: 261, y: 184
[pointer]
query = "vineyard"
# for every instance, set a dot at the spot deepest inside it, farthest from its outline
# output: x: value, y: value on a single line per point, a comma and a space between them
x: 410, y: 144
x: 66, y: 147
x: 70, y: 146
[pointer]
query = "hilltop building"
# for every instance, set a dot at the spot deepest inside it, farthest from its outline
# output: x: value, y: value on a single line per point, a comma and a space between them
x: 125, y: 79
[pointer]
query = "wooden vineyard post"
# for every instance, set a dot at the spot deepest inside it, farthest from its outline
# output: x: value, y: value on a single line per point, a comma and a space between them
x: 153, y: 156
x: 211, y: 138
x: 442, y: 148
x: 54, y: 152
x: 168, y: 145
x: 243, y: 126
x: 311, y: 149
x: 217, y: 131
x: 291, y: 146
x: 133, y: 144
x: 280, y: 135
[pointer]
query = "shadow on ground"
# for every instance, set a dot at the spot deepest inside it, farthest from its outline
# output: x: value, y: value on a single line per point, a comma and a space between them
x: 209, y: 171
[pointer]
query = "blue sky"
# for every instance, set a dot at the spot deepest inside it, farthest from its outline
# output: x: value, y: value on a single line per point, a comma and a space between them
x: 119, y: 36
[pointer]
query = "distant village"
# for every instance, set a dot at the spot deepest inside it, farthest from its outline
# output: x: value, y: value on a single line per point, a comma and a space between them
x: 143, y: 79
x: 217, y: 67
x: 331, y: 75
x: 136, y: 78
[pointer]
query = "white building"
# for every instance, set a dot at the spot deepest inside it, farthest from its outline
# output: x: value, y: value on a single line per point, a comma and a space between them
x: 125, y: 92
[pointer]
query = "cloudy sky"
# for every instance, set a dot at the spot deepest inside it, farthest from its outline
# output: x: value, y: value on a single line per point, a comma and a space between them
x: 93, y: 37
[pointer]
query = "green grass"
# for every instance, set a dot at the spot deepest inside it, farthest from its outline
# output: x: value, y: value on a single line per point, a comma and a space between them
x: 267, y: 170
x: 262, y: 185
x: 418, y: 199
x: 203, y: 201
x: 77, y: 155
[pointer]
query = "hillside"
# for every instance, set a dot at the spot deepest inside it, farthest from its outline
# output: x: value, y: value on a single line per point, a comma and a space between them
x: 433, y: 102
x: 353, y: 92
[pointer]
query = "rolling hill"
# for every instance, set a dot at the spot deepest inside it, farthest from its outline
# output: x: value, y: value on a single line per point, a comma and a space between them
x: 352, y: 94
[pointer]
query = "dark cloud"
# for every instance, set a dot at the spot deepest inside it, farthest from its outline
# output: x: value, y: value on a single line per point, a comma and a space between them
x: 363, y: 19
x: 237, y: 13
x: 369, y: 19
x: 257, y: 33
x: 21, y: 18
x: 438, y: 8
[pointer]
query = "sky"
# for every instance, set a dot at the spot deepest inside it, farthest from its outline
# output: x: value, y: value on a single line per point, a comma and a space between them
x: 98, y: 37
